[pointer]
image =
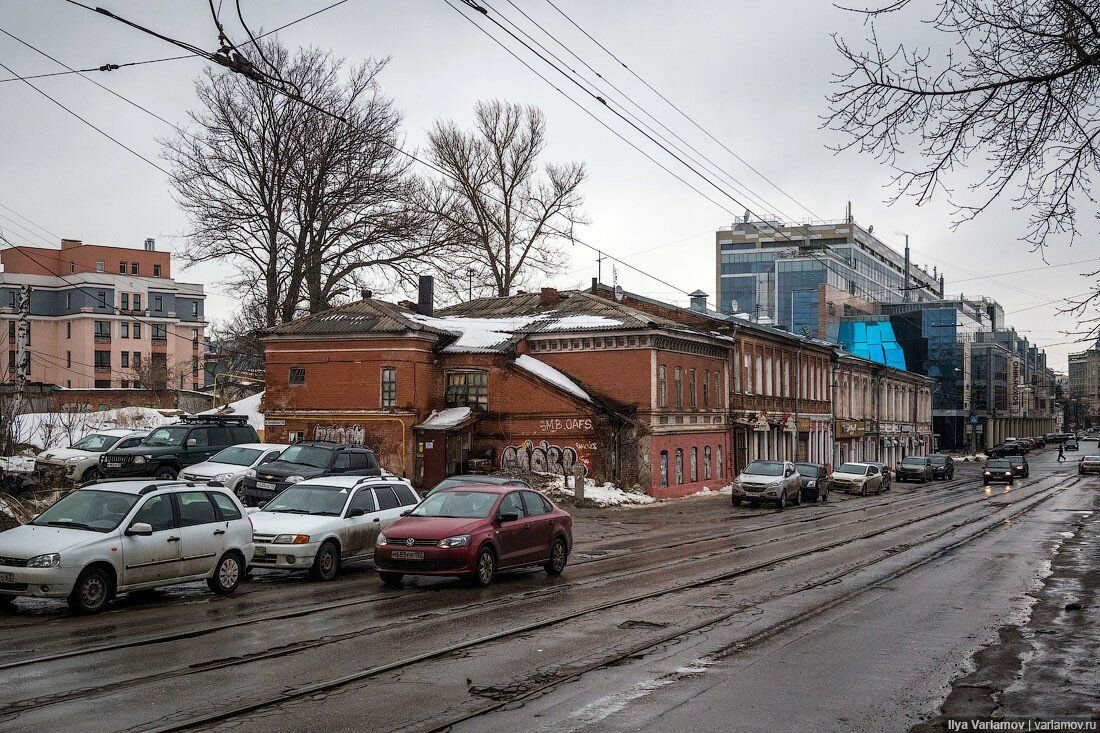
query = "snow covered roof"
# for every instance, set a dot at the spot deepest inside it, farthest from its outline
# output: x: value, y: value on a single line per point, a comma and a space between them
x: 477, y: 334
x: 547, y: 373
x: 452, y: 417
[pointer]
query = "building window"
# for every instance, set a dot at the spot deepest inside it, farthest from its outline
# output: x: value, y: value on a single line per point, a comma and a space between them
x: 69, y: 359
x: 11, y: 331
x: 102, y: 294
x: 99, y: 265
x: 389, y: 387
x: 662, y: 387
x: 194, y: 338
x: 125, y: 363
x: 691, y: 389
x: 160, y: 332
x: 719, y: 471
x: 678, y: 387
x: 717, y: 391
x: 103, y: 384
x: 195, y: 309
x: 137, y: 360
x: 137, y: 301
x: 72, y: 268
x: 11, y: 361
x: 68, y: 329
x: 679, y: 466
x: 68, y: 301
x: 194, y: 366
x: 124, y: 330
x: 121, y: 268
x: 694, y: 465
x: 125, y: 384
x: 156, y: 270
x: 467, y: 389
x: 137, y: 330
x: 158, y: 303
x: 69, y: 383
x: 102, y: 360
x: 706, y: 389
x: 664, y: 468
x: 102, y: 329
x: 134, y: 269
x: 706, y: 463
x: 297, y: 375
x: 124, y: 301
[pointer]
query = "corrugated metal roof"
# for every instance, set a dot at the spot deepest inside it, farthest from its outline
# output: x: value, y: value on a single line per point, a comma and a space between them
x: 360, y: 317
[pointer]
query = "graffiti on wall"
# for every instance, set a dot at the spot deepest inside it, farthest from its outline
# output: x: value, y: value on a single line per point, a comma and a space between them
x: 345, y: 434
x: 541, y: 458
x: 556, y: 425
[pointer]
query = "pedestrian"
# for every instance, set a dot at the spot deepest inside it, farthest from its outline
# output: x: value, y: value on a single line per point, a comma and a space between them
x: 1061, y: 453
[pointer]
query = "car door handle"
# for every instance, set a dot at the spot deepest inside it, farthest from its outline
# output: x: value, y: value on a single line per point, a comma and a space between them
x: 173, y: 539
x: 376, y: 519
x: 219, y: 531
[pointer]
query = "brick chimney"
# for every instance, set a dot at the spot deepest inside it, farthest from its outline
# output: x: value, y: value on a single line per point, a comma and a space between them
x: 549, y: 297
x: 425, y: 299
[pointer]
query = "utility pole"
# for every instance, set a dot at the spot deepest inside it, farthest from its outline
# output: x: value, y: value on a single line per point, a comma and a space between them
x: 470, y: 280
x: 599, y: 265
x: 23, y: 341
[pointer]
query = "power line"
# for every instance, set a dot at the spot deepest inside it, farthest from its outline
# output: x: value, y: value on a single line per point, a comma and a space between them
x: 37, y: 226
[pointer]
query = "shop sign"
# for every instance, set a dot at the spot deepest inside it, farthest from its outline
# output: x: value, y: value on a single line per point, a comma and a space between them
x: 803, y: 424
x: 850, y: 429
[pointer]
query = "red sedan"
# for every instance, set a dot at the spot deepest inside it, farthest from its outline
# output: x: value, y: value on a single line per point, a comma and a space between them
x: 474, y: 531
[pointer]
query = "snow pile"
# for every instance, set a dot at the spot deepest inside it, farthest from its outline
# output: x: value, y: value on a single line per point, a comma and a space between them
x: 477, y: 334
x: 547, y: 373
x: 980, y: 457
x: 606, y: 494
x: 448, y: 418
x: 61, y: 429
x: 249, y: 406
x: 707, y: 491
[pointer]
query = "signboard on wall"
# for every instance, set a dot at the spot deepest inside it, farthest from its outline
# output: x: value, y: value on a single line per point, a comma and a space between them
x: 1015, y: 398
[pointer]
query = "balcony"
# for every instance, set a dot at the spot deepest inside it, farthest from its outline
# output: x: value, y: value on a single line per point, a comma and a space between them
x: 102, y: 368
x: 101, y: 338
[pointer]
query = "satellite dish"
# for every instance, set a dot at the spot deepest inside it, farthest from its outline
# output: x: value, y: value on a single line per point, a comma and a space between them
x: 618, y: 292
x: 733, y: 306
x: 871, y: 229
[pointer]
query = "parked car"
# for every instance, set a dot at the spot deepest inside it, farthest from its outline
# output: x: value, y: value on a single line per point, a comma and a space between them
x: 887, y: 474
x: 229, y: 465
x: 319, y: 524
x: 943, y: 467
x: 998, y: 470
x: 768, y: 481
x: 1070, y: 444
x: 116, y: 536
x: 858, y: 478
x: 473, y: 478
x: 80, y: 461
x: 813, y: 481
x: 168, y: 449
x: 307, y: 460
x: 1088, y: 464
x: 914, y: 468
x: 1020, y: 467
x: 475, y: 531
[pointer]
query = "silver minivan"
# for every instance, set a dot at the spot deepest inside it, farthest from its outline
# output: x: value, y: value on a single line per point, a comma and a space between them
x: 116, y: 536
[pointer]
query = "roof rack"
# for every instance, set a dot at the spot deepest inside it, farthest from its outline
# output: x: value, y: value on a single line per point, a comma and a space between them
x: 230, y: 419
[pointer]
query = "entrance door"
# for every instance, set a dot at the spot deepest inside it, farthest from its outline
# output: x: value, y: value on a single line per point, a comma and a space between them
x: 431, y: 450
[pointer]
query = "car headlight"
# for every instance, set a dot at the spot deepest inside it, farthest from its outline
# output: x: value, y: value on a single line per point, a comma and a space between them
x: 223, y: 477
x: 250, y: 473
x: 382, y: 540
x: 811, y: 484
x: 295, y: 479
x: 139, y: 459
x: 74, y: 459
x: 292, y: 539
x: 776, y: 484
x: 461, y: 540
x: 987, y: 473
x: 51, y: 560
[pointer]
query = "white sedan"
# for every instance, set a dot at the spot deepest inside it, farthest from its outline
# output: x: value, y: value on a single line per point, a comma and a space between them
x: 229, y: 465
x: 320, y: 523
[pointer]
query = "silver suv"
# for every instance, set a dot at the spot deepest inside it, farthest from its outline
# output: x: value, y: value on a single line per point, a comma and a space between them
x: 116, y: 536
x: 768, y: 481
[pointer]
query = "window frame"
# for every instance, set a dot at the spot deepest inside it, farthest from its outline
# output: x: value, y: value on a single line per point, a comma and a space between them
x: 459, y: 395
x: 300, y: 373
x: 388, y: 387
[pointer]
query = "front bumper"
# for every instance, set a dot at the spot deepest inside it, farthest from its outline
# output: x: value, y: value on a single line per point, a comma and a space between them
x: 286, y: 557
x: 37, y: 582
x: 254, y: 493
x: 436, y: 560
x: 908, y: 476
x: 998, y: 478
x: 128, y: 470
x: 748, y: 491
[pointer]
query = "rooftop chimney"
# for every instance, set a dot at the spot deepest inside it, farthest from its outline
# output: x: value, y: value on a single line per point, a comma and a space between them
x: 425, y: 299
x: 595, y: 285
x: 150, y: 244
x: 549, y: 297
x: 699, y: 301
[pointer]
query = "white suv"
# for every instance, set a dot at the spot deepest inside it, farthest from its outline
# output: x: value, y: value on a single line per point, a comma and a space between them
x: 319, y: 523
x: 116, y: 536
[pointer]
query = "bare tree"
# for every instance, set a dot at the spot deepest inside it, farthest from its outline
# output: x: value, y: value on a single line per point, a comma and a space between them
x: 506, y: 213
x: 1016, y: 96
x: 306, y: 197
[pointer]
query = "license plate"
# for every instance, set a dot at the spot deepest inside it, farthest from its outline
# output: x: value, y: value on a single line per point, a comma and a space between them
x: 265, y: 485
x: 10, y: 577
x: 406, y: 555
x: 260, y: 551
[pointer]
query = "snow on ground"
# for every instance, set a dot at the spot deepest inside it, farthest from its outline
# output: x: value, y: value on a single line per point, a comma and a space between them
x: 707, y: 491
x: 60, y: 429
x: 606, y: 494
x: 249, y: 406
x: 547, y: 373
x: 978, y: 457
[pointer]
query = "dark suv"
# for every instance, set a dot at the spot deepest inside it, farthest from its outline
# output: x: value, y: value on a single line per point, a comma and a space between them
x: 166, y: 450
x: 306, y: 460
x: 914, y: 468
x: 943, y: 467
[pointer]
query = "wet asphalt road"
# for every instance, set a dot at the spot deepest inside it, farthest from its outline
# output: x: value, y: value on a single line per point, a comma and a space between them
x: 855, y: 615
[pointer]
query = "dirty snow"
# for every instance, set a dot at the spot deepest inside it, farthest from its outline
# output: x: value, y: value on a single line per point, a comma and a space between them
x: 606, y: 494
x: 707, y: 491
x: 547, y: 373
x: 60, y: 429
x: 443, y: 419
x: 249, y: 406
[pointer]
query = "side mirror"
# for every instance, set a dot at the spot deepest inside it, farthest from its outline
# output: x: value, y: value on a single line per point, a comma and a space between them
x: 406, y: 513
x: 508, y: 517
x: 139, y: 529
x: 261, y: 504
x: 357, y: 512
x: 191, y: 442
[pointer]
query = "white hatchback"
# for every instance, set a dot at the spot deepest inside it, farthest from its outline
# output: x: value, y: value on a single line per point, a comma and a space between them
x: 228, y: 466
x: 117, y: 536
x: 319, y: 523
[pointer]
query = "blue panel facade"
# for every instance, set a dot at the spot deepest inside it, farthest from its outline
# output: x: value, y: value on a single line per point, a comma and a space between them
x: 873, y: 340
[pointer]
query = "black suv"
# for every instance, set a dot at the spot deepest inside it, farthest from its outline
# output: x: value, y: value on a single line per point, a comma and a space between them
x: 943, y: 467
x: 306, y: 460
x: 166, y: 450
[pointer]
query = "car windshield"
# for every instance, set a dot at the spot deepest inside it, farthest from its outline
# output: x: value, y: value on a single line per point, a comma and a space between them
x: 765, y: 468
x: 450, y: 482
x: 807, y: 469
x: 167, y: 436
x: 326, y: 501
x: 998, y: 463
x: 853, y: 468
x: 913, y: 461
x: 95, y: 443
x: 457, y: 504
x: 307, y: 455
x: 1016, y: 459
x: 95, y: 511
x: 237, y: 456
x: 938, y: 460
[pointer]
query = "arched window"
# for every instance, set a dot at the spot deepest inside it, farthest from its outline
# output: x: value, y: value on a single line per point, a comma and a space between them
x: 706, y: 463
x: 694, y: 465
x: 662, y: 388
x: 678, y: 387
x: 679, y: 465
x: 664, y: 468
x: 691, y: 389
x: 718, y: 469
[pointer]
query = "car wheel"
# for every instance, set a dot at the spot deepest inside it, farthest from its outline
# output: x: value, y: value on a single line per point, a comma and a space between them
x: 798, y: 498
x: 390, y: 578
x: 91, y: 474
x: 326, y: 564
x: 166, y: 473
x: 227, y: 574
x: 7, y: 602
x: 485, y: 568
x: 91, y: 593
x: 559, y: 555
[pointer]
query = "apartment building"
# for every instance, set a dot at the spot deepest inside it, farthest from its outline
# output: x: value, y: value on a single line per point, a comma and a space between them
x: 103, y: 317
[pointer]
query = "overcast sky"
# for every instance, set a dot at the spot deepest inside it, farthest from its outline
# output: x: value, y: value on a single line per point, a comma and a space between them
x: 755, y: 74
